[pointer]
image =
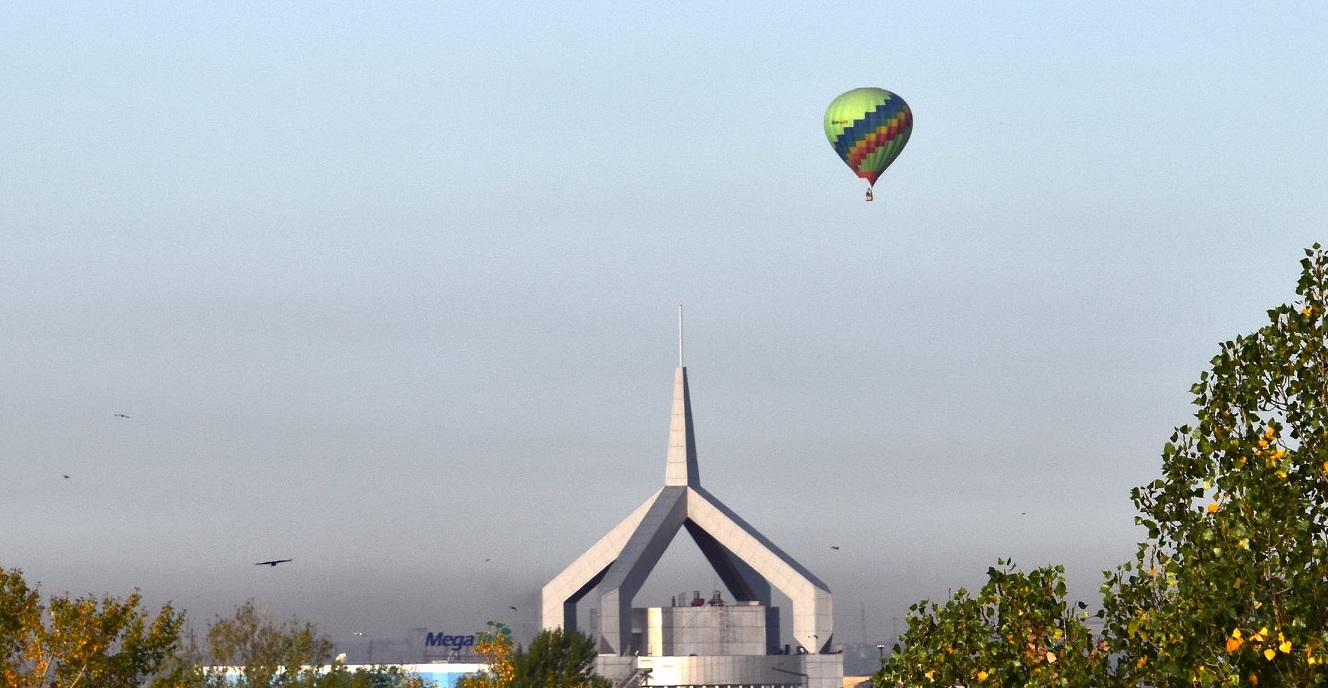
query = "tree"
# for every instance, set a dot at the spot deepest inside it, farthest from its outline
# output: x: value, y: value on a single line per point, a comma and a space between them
x: 557, y: 659
x: 292, y: 654
x: 1231, y: 586
x: 495, y: 646
x: 1018, y: 631
x: 339, y: 676
x: 86, y: 641
x: 270, y: 654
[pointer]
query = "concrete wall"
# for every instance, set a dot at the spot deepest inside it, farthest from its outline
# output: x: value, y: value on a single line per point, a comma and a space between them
x: 705, y: 630
x: 767, y: 671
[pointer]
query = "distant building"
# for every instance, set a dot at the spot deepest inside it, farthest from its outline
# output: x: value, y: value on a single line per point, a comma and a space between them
x: 700, y: 641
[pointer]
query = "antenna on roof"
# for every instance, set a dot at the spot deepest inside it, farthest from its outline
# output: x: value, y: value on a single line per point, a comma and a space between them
x: 680, y: 335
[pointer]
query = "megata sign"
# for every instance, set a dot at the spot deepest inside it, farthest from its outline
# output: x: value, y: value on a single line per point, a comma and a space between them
x: 454, y: 642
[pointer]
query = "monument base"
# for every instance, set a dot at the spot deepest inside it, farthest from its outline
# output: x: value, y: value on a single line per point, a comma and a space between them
x: 736, y: 671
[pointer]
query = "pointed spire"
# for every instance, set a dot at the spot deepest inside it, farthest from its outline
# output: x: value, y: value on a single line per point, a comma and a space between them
x: 681, y: 468
x: 680, y: 363
x: 681, y: 465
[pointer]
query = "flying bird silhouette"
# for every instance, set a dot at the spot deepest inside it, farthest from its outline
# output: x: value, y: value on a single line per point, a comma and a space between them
x: 834, y: 546
x: 121, y: 415
x: 271, y: 562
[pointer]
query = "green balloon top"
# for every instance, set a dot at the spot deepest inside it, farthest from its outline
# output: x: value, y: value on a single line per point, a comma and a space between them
x: 868, y: 128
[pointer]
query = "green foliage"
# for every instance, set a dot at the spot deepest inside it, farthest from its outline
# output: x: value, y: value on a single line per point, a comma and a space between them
x: 1230, y: 587
x: 1017, y: 631
x: 271, y: 654
x: 97, y: 642
x: 339, y: 676
x: 289, y: 655
x: 557, y: 659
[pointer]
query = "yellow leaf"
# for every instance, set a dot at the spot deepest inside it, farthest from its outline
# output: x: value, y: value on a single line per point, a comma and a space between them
x: 1051, y: 657
x: 1285, y: 647
x: 1235, y: 633
x: 1213, y: 506
x: 1270, y: 653
x: 982, y: 676
x: 1234, y: 644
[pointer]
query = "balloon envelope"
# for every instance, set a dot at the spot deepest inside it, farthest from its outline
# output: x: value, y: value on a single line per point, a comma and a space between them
x: 868, y: 128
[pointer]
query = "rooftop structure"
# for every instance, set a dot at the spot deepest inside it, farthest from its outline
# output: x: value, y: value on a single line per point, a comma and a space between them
x: 747, y: 563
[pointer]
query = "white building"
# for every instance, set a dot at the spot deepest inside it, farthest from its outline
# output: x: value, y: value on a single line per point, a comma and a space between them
x: 733, y: 644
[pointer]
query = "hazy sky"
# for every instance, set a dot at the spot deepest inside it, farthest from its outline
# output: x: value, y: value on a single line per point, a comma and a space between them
x: 390, y: 288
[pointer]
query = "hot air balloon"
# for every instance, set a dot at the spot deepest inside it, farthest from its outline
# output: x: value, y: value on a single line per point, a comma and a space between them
x: 868, y: 128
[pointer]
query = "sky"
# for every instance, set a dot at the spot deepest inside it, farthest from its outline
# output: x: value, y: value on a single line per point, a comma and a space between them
x: 391, y: 289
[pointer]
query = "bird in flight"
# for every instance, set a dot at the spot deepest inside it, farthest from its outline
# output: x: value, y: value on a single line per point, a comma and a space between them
x: 66, y: 477
x: 121, y: 415
x: 271, y: 562
x: 834, y: 546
